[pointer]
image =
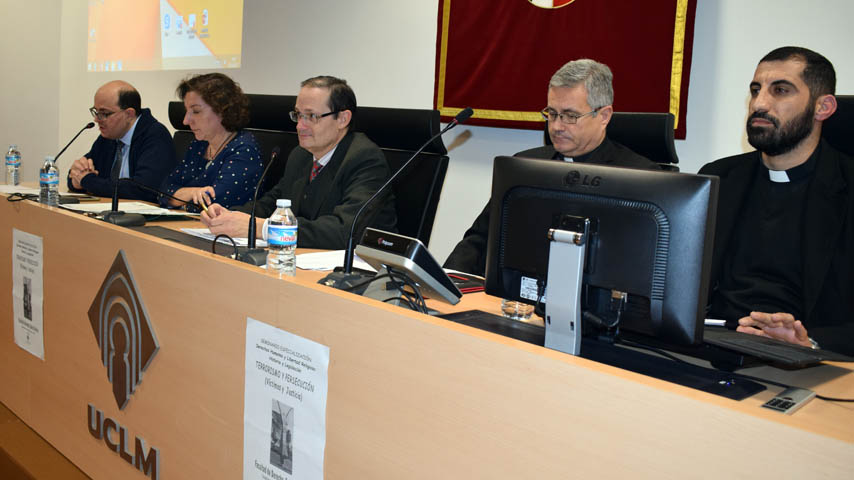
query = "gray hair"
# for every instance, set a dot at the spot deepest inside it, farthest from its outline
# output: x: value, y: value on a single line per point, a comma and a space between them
x: 595, y: 76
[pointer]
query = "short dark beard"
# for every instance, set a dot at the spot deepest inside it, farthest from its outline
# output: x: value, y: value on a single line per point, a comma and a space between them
x: 779, y: 140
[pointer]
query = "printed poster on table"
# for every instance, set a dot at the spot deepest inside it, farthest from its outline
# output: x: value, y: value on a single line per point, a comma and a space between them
x: 284, y: 416
x: 28, y: 292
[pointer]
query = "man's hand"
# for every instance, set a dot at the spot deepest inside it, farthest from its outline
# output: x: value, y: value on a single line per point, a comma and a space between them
x: 80, y: 168
x: 781, y: 326
x: 222, y: 220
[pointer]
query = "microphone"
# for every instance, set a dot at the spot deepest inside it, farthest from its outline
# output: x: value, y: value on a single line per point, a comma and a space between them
x: 257, y: 256
x: 336, y: 278
x: 154, y: 190
x: 87, y: 127
x: 252, y: 227
x: 117, y: 217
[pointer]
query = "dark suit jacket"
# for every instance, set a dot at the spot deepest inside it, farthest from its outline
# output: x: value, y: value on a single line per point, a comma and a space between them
x: 326, y: 206
x: 828, y: 240
x: 150, y: 159
x: 470, y: 253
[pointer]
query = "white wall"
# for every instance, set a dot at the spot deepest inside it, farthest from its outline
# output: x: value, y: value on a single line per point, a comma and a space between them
x: 386, y: 50
x: 730, y: 37
x: 29, y: 83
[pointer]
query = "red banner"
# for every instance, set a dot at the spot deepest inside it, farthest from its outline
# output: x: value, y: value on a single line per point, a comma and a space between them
x: 498, y: 56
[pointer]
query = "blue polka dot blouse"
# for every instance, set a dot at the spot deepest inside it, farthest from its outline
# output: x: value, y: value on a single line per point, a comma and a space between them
x: 233, y: 174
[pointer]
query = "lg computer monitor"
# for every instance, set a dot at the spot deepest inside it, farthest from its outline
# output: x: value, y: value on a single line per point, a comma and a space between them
x: 651, y: 235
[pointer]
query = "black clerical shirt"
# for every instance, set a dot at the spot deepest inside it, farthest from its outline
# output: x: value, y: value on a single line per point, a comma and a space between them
x: 763, y: 270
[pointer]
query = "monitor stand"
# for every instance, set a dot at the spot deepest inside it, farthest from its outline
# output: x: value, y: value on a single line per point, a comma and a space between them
x: 563, y: 295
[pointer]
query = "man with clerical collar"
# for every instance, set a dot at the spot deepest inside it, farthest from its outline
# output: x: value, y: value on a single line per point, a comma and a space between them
x: 784, y: 242
x: 132, y: 144
x: 580, y: 99
x: 328, y: 177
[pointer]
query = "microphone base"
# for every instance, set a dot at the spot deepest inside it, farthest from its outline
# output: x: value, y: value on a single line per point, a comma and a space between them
x: 255, y: 256
x: 123, y: 219
x: 345, y: 281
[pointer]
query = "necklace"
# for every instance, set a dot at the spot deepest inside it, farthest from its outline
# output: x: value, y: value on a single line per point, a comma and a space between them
x: 212, y: 156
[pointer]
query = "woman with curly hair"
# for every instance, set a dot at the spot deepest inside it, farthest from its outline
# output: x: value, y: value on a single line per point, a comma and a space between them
x: 224, y: 163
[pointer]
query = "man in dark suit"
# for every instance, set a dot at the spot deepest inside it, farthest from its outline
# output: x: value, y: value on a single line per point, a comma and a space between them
x: 783, y: 263
x: 580, y: 99
x: 133, y: 144
x: 327, y: 178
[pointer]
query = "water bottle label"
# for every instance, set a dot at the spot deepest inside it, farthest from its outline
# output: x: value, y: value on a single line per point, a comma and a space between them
x: 282, y: 235
x: 49, y: 178
x: 13, y: 160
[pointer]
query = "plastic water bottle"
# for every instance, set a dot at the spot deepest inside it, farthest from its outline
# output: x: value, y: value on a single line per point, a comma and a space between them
x: 49, y: 183
x: 13, y: 165
x: 282, y: 240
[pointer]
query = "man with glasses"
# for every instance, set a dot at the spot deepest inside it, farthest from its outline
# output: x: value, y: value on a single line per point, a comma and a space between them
x: 327, y: 178
x: 579, y: 107
x: 133, y: 144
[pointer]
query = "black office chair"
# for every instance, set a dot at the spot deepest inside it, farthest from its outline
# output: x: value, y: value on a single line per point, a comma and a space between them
x: 647, y: 134
x: 399, y: 133
x: 838, y: 130
x: 268, y: 122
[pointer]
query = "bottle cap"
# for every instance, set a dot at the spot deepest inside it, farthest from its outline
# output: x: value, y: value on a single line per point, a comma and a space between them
x: 283, y: 203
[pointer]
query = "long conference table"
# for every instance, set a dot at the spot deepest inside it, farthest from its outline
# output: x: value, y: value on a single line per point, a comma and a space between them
x: 409, y: 395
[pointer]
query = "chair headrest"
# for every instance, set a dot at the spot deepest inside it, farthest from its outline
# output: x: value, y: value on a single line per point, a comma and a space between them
x: 400, y: 128
x: 266, y: 112
x: 390, y: 128
x: 838, y: 129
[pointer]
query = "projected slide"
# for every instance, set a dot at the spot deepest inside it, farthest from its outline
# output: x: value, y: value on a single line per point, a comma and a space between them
x: 164, y: 34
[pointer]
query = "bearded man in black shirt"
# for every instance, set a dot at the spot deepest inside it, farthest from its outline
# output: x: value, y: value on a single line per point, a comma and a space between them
x: 784, y: 242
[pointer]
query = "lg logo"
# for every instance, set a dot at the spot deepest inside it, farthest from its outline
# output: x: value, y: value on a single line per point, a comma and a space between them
x: 574, y: 178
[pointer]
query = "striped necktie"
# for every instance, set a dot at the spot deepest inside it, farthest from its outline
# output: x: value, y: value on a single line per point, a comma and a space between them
x: 315, y: 169
x: 117, y: 162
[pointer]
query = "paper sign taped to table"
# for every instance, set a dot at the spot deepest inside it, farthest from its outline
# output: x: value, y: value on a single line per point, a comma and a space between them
x: 284, y: 410
x: 28, y: 291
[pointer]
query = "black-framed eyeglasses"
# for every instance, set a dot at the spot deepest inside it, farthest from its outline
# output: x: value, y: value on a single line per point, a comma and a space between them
x: 100, y: 115
x: 309, y: 117
x: 566, y: 118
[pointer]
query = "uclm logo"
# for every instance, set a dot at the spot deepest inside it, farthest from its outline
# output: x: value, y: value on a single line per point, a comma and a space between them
x: 122, y: 330
x: 127, y: 344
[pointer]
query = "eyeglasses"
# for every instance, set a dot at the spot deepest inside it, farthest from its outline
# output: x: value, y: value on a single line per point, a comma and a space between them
x: 100, y: 115
x: 565, y: 118
x: 309, y: 117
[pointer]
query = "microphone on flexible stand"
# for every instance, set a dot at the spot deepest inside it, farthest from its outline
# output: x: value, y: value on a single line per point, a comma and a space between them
x: 116, y: 216
x: 132, y: 219
x: 345, y: 277
x: 154, y: 190
x: 257, y: 256
x: 68, y: 199
x: 86, y: 127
